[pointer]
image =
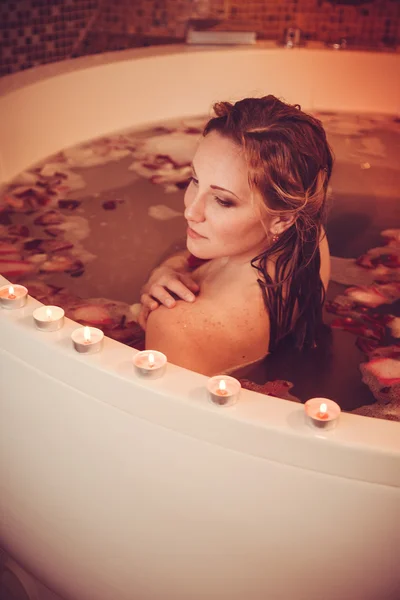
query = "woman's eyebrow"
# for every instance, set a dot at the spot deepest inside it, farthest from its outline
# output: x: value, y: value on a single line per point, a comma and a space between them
x: 216, y: 187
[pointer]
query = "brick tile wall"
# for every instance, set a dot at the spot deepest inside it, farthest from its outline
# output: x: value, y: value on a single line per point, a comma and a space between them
x: 34, y: 32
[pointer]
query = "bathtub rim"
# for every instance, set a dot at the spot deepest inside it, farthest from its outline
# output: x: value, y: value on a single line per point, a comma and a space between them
x: 36, y: 74
x: 361, y: 448
x: 355, y: 432
x: 40, y: 100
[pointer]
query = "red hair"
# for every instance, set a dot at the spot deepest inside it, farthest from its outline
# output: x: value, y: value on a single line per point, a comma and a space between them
x: 290, y: 164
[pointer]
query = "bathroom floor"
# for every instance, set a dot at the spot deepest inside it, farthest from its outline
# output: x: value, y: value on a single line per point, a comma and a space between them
x: 83, y: 229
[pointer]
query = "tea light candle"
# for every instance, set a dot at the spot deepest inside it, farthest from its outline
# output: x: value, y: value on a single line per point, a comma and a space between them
x: 13, y: 296
x: 150, y: 364
x: 223, y: 389
x: 48, y: 318
x: 322, y: 413
x: 87, y: 340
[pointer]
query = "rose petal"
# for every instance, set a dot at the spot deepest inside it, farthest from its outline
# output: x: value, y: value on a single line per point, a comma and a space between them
x: 38, y: 289
x: 366, y: 345
x: 92, y: 313
x: 364, y: 261
x: 109, y: 205
x: 69, y: 204
x: 51, y: 217
x: 15, y: 268
x: 57, y: 264
x: 385, y: 370
x: 19, y: 230
x: 388, y: 260
x: 6, y: 248
x: 368, y: 296
x: 33, y: 244
x: 372, y: 331
x: 56, y: 245
x: 54, y: 231
x: 5, y: 218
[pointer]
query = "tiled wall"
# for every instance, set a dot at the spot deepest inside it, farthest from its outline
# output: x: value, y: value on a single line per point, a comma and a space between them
x: 34, y: 32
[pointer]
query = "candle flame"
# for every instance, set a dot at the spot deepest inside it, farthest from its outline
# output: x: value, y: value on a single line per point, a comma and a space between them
x: 48, y: 313
x: 222, y: 385
x: 11, y: 290
x: 86, y: 334
x: 323, y: 408
x: 151, y: 360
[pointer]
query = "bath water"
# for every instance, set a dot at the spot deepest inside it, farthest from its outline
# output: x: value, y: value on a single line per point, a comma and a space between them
x: 84, y: 228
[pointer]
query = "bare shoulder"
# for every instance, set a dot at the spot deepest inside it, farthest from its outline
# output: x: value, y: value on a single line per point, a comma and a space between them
x: 325, y: 269
x: 211, y: 335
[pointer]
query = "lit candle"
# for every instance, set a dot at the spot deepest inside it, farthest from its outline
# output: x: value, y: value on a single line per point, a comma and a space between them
x: 322, y: 413
x: 87, y: 340
x: 223, y: 389
x: 13, y: 296
x: 150, y: 364
x: 48, y: 318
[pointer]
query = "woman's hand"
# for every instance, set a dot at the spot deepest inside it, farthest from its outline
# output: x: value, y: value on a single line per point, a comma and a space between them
x: 163, y: 282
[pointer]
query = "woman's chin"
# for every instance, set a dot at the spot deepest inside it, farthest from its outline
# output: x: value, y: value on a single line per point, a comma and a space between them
x: 196, y: 249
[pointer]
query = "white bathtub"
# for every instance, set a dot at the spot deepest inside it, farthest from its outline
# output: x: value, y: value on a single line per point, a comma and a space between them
x: 114, y: 488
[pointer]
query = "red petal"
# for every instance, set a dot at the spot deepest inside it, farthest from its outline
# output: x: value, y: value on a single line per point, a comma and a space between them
x: 15, y: 268
x: 51, y: 217
x: 7, y: 248
x: 18, y: 230
x: 109, y: 205
x: 365, y: 261
x: 92, y: 313
x: 384, y: 370
x: 69, y: 204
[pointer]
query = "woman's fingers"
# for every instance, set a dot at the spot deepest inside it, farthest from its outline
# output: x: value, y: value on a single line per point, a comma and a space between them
x: 190, y: 283
x: 181, y: 289
x: 182, y: 286
x: 142, y: 318
x: 144, y: 313
x: 149, y: 302
x: 160, y: 294
x: 176, y: 287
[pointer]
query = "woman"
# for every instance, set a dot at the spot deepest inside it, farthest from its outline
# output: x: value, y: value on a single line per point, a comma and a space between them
x: 255, y: 209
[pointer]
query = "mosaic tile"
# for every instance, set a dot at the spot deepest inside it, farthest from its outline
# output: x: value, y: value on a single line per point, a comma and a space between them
x: 70, y: 28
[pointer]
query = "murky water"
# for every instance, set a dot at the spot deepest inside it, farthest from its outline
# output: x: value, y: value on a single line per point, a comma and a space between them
x: 84, y: 228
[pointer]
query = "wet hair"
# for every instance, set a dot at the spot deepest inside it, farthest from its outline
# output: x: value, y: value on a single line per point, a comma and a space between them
x: 290, y: 164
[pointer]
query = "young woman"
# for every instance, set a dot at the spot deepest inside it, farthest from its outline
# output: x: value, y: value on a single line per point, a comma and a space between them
x: 255, y: 210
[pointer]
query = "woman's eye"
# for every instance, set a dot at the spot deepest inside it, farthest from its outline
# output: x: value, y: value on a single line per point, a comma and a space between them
x: 224, y: 203
x: 193, y: 180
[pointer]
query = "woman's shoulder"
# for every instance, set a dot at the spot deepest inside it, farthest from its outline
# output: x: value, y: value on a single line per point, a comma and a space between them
x: 325, y: 259
x: 213, y: 334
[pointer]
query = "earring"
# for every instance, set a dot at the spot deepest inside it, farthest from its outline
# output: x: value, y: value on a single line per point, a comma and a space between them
x: 275, y: 238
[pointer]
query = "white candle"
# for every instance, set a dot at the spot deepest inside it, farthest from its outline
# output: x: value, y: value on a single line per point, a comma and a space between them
x: 150, y: 364
x: 223, y: 390
x: 322, y: 413
x: 48, y: 318
x: 87, y: 340
x: 13, y: 296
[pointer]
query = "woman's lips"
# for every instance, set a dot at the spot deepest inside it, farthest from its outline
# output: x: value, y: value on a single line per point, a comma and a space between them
x: 194, y: 235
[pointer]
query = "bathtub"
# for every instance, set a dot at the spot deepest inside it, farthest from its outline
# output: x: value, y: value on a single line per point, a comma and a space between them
x: 113, y: 487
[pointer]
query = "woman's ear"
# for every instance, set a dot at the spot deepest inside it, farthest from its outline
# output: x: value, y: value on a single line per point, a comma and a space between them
x: 281, y: 223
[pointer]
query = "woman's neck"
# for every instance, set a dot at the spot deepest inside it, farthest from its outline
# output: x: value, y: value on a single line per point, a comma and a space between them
x: 228, y: 271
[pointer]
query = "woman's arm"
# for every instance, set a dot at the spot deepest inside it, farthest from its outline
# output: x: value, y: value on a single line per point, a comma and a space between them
x: 168, y: 281
x: 178, y: 262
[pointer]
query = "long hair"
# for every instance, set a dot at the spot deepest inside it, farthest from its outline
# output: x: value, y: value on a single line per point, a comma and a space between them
x: 289, y: 164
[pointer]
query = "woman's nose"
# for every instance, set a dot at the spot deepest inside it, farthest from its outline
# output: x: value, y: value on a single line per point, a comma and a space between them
x: 194, y: 210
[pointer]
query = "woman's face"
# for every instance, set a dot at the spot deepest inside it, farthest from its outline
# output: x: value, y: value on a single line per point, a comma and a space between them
x: 223, y: 220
